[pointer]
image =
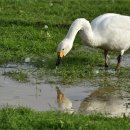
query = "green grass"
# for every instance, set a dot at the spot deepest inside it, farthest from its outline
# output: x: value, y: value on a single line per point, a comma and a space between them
x: 17, y: 75
x: 25, y: 118
x: 22, y: 34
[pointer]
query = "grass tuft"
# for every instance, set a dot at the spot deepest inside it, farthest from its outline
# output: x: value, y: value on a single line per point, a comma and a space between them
x: 25, y: 118
x: 17, y: 75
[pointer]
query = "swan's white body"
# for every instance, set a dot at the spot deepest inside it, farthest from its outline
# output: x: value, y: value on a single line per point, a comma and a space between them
x: 108, y: 32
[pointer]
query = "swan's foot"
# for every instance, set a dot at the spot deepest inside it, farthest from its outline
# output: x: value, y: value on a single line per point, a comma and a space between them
x: 106, y: 58
x: 106, y: 65
x: 118, y: 62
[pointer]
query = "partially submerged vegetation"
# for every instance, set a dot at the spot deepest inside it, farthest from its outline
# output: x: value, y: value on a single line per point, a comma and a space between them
x: 33, y: 28
x: 17, y: 75
x: 36, y: 31
x: 24, y: 118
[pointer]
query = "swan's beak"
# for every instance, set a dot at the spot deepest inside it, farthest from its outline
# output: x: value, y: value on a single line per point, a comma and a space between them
x: 60, y: 55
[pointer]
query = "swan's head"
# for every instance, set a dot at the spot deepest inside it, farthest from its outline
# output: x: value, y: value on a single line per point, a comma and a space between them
x: 63, y: 48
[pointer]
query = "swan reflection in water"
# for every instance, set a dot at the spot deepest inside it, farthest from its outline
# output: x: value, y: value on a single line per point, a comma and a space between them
x: 64, y: 103
x: 107, y: 100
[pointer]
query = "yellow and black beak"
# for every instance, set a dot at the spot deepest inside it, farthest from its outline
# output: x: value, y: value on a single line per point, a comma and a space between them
x: 60, y: 55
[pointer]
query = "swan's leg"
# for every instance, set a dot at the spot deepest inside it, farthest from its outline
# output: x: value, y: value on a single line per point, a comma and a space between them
x: 119, y: 58
x: 106, y: 58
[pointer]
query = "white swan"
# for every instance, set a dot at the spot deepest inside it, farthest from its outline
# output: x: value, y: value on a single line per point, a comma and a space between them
x: 109, y: 32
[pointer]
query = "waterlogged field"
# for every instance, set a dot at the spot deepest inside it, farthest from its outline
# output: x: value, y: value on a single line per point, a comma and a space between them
x: 30, y: 31
x: 36, y: 31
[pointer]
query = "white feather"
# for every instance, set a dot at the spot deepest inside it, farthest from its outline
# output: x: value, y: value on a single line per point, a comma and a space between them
x: 108, y: 32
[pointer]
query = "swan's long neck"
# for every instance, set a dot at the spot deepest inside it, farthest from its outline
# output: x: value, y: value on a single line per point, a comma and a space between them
x: 82, y: 25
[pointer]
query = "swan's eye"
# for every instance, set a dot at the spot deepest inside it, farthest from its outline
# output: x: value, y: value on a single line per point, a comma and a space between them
x: 63, y: 49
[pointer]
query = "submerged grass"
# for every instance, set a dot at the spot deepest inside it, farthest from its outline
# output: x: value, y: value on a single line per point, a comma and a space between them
x: 24, y: 118
x: 17, y: 75
x: 23, y: 33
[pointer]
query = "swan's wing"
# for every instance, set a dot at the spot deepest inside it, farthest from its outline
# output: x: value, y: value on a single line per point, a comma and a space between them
x: 113, y: 30
x: 111, y: 22
x: 120, y: 22
x: 98, y: 21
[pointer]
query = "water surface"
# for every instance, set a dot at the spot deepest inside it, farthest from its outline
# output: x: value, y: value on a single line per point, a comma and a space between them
x: 86, y: 97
